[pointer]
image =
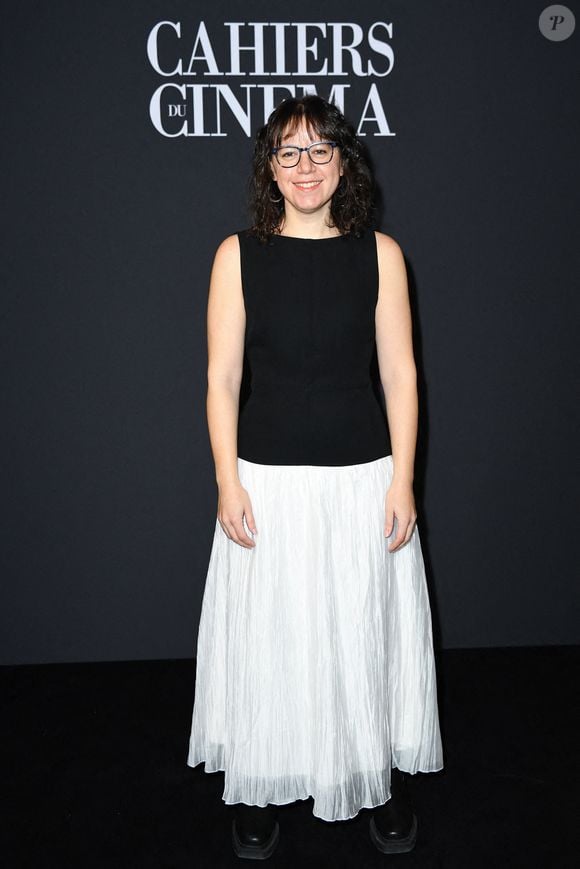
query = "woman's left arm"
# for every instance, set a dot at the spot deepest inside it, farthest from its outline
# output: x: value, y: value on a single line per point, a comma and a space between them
x: 398, y: 373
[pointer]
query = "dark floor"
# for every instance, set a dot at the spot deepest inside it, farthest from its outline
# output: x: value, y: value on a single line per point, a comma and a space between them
x: 96, y: 775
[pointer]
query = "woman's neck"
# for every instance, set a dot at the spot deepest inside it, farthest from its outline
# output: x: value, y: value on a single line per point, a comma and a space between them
x: 307, y: 225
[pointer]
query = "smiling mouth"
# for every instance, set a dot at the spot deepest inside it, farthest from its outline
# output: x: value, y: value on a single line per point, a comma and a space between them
x: 307, y: 185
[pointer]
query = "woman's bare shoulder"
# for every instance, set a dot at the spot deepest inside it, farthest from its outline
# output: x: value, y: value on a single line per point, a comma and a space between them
x: 229, y: 248
x: 387, y: 246
x: 226, y: 262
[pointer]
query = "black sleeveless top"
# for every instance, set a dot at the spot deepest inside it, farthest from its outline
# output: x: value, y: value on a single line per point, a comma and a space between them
x: 309, y: 342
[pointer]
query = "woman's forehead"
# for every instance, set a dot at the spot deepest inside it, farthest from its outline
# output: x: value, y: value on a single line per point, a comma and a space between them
x: 299, y: 129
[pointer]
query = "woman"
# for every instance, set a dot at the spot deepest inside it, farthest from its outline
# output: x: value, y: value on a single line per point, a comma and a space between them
x: 315, y: 670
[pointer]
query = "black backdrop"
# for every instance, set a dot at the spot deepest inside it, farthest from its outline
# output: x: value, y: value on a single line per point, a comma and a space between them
x: 109, y: 230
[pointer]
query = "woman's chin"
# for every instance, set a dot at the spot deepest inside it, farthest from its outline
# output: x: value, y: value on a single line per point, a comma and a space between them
x: 308, y: 205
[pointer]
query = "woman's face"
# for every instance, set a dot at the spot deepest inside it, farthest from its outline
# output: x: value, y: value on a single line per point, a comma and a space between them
x: 307, y: 186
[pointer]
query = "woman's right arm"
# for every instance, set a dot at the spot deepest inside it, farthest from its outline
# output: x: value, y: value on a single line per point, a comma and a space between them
x: 226, y: 323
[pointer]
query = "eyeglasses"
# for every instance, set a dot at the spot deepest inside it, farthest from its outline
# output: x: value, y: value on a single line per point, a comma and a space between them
x: 319, y: 152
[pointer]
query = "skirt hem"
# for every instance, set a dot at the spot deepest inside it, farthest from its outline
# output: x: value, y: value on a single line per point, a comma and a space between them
x: 375, y: 803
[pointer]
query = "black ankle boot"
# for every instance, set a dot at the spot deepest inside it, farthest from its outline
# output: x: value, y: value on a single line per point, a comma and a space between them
x: 255, y: 831
x: 393, y: 826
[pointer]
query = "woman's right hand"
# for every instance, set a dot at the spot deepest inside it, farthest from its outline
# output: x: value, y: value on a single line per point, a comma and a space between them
x: 233, y: 504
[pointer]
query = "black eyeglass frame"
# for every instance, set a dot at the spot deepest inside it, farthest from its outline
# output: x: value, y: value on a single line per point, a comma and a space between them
x: 307, y: 149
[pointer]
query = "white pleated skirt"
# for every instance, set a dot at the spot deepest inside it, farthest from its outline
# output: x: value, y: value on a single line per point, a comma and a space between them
x: 315, y: 669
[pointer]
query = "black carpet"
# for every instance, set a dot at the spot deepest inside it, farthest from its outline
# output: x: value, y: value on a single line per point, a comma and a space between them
x: 95, y: 772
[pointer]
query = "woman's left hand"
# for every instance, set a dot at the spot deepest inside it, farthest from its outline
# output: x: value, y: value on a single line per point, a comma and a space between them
x: 400, y: 505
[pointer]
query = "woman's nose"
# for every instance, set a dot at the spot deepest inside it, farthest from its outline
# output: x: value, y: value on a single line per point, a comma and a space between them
x: 305, y: 163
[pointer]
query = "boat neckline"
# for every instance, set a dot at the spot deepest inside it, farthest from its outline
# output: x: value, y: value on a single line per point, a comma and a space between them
x: 306, y: 238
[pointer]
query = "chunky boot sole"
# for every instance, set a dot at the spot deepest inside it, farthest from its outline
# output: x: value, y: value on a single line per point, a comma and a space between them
x: 255, y: 852
x: 393, y: 846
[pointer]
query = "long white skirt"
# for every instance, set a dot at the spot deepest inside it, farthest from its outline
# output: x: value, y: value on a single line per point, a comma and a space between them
x: 315, y: 670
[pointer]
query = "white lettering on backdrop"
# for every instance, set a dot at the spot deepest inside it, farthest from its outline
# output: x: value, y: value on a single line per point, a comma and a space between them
x: 253, y: 50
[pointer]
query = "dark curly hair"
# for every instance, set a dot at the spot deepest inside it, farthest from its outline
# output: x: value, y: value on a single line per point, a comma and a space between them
x: 352, y: 205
